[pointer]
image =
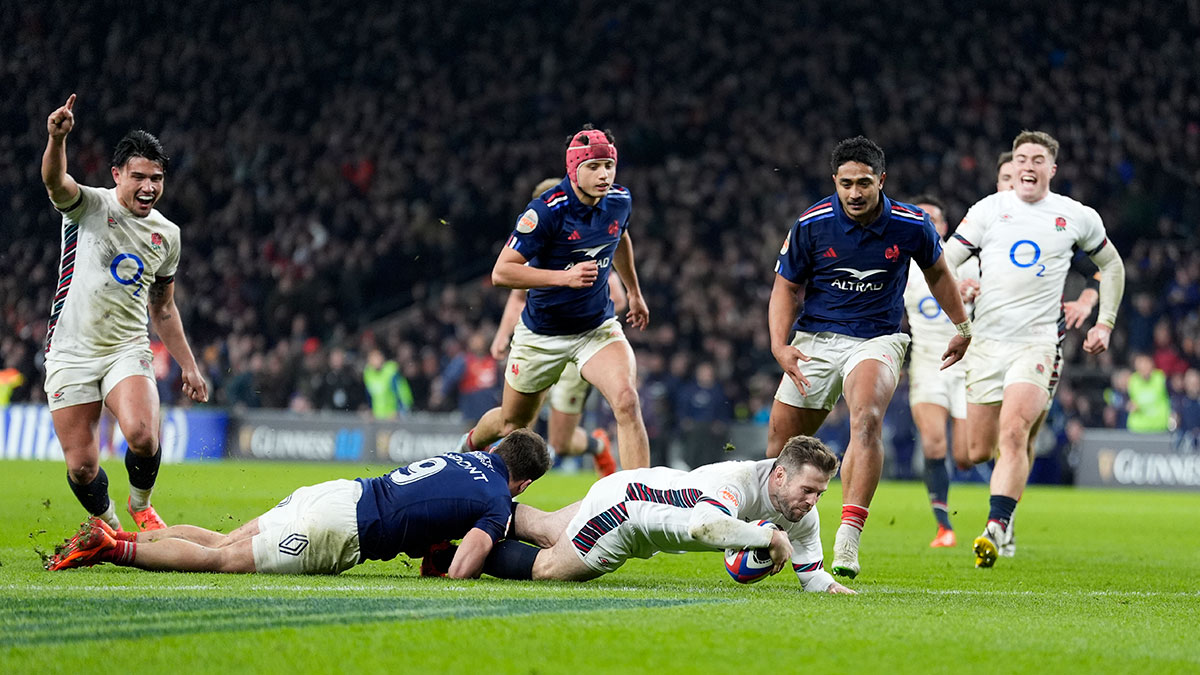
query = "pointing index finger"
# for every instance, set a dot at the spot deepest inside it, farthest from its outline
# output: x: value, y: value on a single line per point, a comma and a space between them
x: 70, y: 102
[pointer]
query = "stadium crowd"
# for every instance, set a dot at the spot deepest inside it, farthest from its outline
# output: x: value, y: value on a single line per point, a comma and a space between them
x: 344, y: 175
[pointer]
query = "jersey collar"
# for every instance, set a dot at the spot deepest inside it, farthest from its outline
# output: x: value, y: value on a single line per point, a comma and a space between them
x: 875, y: 227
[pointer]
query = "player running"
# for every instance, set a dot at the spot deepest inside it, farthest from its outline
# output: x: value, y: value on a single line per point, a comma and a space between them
x: 1025, y: 239
x: 119, y: 259
x: 333, y: 526
x: 850, y: 255
x: 563, y: 250
x: 568, y: 395
x: 936, y: 394
x: 639, y: 513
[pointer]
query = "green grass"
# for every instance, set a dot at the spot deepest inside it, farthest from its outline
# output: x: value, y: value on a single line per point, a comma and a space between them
x: 1104, y: 581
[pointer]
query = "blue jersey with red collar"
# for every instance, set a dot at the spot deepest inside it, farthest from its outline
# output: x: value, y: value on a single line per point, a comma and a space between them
x: 854, y: 275
x: 431, y: 501
x: 557, y: 232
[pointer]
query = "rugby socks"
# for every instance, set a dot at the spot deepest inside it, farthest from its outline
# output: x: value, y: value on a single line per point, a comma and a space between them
x: 511, y: 559
x: 855, y: 516
x: 94, y: 497
x: 1001, y: 510
x: 594, y: 446
x: 143, y: 472
x: 467, y: 444
x: 937, y: 482
x: 121, y: 554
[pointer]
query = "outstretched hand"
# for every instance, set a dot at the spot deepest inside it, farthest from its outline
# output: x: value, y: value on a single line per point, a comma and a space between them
x: 62, y: 120
x: 955, y: 351
x: 789, y: 359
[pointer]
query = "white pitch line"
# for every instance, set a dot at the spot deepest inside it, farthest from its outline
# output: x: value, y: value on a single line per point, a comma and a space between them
x: 592, y: 590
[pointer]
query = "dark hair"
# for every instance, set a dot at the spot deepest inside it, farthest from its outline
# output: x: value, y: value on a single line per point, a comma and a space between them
x: 584, y: 139
x: 926, y: 198
x: 858, y: 149
x: 1003, y: 159
x: 139, y: 143
x: 525, y: 454
x: 801, y: 450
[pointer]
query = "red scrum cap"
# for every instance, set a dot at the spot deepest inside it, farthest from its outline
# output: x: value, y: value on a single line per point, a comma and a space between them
x: 587, y: 145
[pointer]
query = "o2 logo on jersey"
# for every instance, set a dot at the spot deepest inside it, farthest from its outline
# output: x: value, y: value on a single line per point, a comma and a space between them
x: 1027, y: 249
x: 127, y: 269
x: 930, y: 309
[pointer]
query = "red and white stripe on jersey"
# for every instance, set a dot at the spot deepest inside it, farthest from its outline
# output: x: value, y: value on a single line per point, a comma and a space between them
x: 908, y: 214
x: 817, y: 210
x: 556, y: 199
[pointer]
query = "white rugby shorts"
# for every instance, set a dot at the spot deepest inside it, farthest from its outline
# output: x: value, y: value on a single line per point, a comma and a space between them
x: 570, y: 392
x: 71, y: 381
x: 536, y: 361
x: 928, y: 383
x: 314, y: 530
x: 833, y: 357
x: 993, y: 365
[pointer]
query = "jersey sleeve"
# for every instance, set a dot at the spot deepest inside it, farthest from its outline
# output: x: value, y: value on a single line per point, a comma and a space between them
x: 928, y: 246
x: 794, y: 261
x: 496, y: 518
x: 84, y: 203
x: 807, y: 555
x: 166, y: 272
x: 1092, y: 237
x: 534, y: 228
x: 1084, y: 267
x: 970, y: 230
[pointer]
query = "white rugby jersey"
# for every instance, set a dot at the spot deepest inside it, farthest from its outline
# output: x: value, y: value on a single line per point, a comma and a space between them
x: 660, y: 502
x: 110, y: 257
x: 929, y: 324
x: 1024, y: 254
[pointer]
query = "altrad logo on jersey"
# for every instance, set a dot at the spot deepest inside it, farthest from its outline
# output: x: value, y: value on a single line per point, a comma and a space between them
x: 858, y: 285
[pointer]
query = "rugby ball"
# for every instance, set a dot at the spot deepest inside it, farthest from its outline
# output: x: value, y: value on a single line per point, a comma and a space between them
x: 747, y: 566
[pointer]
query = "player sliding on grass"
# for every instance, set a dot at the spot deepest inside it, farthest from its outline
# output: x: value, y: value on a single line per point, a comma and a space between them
x: 638, y: 513
x: 333, y: 526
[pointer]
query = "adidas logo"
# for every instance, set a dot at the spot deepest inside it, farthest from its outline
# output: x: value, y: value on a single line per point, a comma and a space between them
x: 574, y: 236
x: 829, y: 253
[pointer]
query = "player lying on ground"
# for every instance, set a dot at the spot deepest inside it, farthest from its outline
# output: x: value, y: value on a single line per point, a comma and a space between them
x: 638, y: 513
x: 333, y: 526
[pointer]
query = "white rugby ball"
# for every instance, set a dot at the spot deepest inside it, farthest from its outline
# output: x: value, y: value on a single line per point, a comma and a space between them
x: 747, y: 566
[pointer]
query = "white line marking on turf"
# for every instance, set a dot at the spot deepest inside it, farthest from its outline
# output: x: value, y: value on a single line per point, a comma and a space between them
x: 433, y: 589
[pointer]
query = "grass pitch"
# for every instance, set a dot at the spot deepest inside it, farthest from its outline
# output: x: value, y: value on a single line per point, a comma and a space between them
x: 1103, y: 581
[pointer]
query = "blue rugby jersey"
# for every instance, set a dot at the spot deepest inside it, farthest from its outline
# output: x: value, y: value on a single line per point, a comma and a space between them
x: 431, y: 501
x: 557, y: 231
x: 854, y: 275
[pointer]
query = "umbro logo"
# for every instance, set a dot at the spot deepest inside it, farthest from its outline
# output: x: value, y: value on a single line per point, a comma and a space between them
x: 58, y: 395
x: 294, y: 544
x: 112, y: 222
x: 574, y: 236
x: 829, y: 253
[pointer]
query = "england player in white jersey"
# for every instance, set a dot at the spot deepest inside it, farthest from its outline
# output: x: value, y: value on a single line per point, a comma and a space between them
x: 119, y: 258
x: 936, y: 395
x: 639, y: 513
x: 1025, y: 239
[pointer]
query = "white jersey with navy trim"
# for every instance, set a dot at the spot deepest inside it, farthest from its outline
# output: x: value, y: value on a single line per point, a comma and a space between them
x: 1025, y: 251
x: 110, y: 257
x: 928, y: 322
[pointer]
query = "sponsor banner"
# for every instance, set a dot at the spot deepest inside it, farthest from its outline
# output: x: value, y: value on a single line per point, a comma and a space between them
x: 1123, y: 459
x: 26, y: 432
x: 341, y: 437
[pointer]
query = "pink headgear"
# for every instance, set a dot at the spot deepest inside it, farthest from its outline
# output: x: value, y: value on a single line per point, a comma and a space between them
x: 587, y: 145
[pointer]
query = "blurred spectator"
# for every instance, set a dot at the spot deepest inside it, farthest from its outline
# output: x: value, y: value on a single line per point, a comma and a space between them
x: 1166, y: 355
x: 386, y: 387
x: 1116, y: 399
x: 1149, y: 402
x: 473, y: 376
x: 341, y: 386
x: 1186, y: 405
x: 704, y: 415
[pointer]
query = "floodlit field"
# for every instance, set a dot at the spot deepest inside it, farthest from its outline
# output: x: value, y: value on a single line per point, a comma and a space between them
x: 1103, y: 582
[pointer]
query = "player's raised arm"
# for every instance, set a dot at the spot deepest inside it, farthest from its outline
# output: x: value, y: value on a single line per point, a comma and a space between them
x: 944, y: 288
x: 59, y: 184
x: 511, y: 271
x: 781, y: 312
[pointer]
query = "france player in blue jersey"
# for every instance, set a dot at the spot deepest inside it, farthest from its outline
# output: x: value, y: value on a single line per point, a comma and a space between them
x: 563, y: 249
x: 333, y: 526
x: 849, y: 253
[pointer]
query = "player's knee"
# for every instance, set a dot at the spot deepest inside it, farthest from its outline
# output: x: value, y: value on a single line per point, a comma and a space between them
x: 625, y: 404
x: 142, y: 441
x: 867, y: 424
x: 85, y: 473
